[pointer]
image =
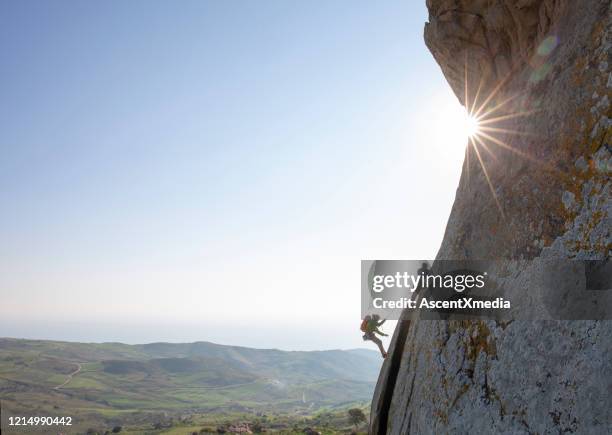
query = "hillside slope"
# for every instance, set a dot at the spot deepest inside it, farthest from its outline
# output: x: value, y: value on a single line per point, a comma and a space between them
x: 111, y: 381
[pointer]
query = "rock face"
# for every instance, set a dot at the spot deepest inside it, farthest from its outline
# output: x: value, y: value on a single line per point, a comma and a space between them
x: 491, y: 38
x: 535, y: 185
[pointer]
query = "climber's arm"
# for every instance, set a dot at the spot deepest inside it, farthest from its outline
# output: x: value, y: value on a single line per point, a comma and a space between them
x: 379, y: 332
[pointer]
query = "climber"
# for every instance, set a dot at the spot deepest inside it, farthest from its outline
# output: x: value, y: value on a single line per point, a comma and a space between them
x: 369, y: 326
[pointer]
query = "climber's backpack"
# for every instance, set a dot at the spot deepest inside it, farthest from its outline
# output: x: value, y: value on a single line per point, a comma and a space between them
x: 364, y: 324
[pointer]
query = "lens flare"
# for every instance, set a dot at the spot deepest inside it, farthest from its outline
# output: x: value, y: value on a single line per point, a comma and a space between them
x: 471, y: 125
x: 484, y: 126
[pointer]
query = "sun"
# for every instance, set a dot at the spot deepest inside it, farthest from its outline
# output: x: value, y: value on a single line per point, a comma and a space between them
x: 471, y: 125
x: 453, y: 122
x: 446, y: 126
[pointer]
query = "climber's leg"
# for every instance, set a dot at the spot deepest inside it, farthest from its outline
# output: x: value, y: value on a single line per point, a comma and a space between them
x: 378, y: 342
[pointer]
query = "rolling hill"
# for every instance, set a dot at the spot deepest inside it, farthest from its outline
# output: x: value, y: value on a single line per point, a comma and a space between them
x: 115, y: 382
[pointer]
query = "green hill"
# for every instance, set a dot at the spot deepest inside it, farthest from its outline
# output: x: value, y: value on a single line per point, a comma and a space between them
x: 114, y: 383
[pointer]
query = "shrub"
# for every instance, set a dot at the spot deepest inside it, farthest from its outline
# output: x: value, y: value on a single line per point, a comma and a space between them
x: 356, y: 416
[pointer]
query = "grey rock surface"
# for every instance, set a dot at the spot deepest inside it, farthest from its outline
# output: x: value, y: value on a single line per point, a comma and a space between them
x: 543, y: 67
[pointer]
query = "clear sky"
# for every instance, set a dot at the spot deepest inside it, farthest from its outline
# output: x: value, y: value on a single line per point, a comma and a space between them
x: 215, y: 170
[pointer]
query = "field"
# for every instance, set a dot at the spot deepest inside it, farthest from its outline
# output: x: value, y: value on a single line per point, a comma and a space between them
x: 161, y: 387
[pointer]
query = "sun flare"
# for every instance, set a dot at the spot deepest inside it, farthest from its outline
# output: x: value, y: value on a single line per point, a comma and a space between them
x: 471, y: 126
x: 484, y: 120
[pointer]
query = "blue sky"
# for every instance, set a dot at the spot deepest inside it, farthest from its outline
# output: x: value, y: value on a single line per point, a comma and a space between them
x: 183, y: 170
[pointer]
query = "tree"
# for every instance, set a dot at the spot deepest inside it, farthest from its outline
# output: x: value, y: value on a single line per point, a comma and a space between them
x: 257, y: 427
x: 356, y: 417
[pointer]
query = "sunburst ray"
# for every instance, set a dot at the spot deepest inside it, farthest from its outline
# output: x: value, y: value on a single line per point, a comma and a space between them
x: 466, y: 101
x: 513, y: 115
x: 494, y: 92
x: 486, y: 174
x: 482, y: 128
x: 471, y: 109
x: 495, y: 108
x: 485, y: 146
x: 504, y: 145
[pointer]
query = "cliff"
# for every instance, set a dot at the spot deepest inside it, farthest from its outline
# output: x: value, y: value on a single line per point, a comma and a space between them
x: 535, y: 185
